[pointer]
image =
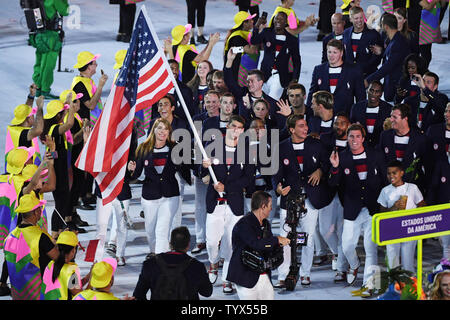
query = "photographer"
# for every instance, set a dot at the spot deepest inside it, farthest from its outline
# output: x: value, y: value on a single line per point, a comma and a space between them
x: 253, y: 232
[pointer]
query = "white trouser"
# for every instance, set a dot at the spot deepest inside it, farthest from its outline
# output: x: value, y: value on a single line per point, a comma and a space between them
x: 263, y: 290
x: 445, y: 241
x: 200, y: 210
x: 219, y: 227
x: 405, y: 250
x: 320, y: 245
x: 159, y: 214
x: 103, y: 215
x: 331, y: 222
x: 273, y: 87
x: 248, y: 205
x: 307, y: 224
x: 178, y: 215
x: 113, y: 233
x: 350, y: 238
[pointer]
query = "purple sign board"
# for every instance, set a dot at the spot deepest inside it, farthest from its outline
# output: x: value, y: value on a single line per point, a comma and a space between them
x: 416, y: 225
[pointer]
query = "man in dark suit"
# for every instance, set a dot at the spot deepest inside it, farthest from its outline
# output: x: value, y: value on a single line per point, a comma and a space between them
x: 360, y: 173
x: 245, y: 96
x: 393, y: 57
x: 357, y: 40
x: 253, y: 232
x: 225, y: 199
x: 343, y: 80
x: 371, y: 113
x: 302, y: 162
x: 337, y: 23
x: 197, y: 281
x: 427, y: 108
x: 408, y: 145
x: 280, y: 48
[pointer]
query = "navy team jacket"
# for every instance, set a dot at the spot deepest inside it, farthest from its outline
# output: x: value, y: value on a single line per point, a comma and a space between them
x: 358, y: 194
x: 289, y: 173
x: 248, y: 233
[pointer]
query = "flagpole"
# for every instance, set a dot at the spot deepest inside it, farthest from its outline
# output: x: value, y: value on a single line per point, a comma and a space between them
x: 180, y: 96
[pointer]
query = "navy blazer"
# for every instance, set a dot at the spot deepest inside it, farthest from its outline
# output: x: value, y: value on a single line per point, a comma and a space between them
x: 235, y: 179
x: 433, y: 112
x: 197, y: 281
x: 365, y: 59
x: 289, y: 173
x: 358, y: 194
x: 358, y: 114
x: 391, y: 69
x: 290, y: 49
x: 239, y: 92
x: 417, y: 148
x: 350, y: 86
x: 314, y: 123
x: 437, y: 141
x: 439, y: 189
x: 157, y: 185
x: 255, y: 157
x: 248, y: 234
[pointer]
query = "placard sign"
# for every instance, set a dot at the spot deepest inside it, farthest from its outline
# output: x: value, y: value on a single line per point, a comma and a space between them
x: 413, y: 224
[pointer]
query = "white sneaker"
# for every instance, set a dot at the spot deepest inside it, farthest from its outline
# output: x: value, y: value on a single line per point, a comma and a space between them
x: 120, y: 261
x: 213, y: 273
x: 227, y: 287
x: 352, y: 274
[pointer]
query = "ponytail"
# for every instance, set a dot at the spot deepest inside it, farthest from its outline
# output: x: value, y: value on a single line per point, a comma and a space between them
x: 64, y: 250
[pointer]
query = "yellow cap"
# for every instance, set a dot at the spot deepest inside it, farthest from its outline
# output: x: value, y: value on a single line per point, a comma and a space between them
x: 64, y: 94
x: 67, y: 237
x: 16, y: 160
x: 21, y: 113
x: 119, y: 57
x: 240, y: 17
x: 101, y: 274
x: 53, y: 108
x: 178, y: 33
x: 28, y: 171
x: 29, y: 202
x: 84, y: 57
x: 345, y: 3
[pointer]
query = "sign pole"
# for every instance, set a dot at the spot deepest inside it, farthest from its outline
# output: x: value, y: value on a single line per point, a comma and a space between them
x: 419, y: 268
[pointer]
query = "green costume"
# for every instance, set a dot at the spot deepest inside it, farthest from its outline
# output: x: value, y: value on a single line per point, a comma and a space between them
x: 47, y: 44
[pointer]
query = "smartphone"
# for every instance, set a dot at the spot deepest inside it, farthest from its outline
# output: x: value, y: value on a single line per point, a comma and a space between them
x: 264, y: 15
x: 101, y: 70
x: 238, y: 49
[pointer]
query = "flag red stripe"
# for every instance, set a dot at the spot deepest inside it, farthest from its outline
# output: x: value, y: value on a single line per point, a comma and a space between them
x: 153, y: 86
x: 147, y: 103
x: 151, y: 72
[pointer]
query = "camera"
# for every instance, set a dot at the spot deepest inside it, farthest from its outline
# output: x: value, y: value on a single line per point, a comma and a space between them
x: 295, y: 207
x: 238, y: 49
x: 260, y: 263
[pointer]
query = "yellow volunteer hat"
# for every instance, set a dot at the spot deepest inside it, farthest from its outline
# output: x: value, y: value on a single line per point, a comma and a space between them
x: 345, y: 3
x: 16, y: 160
x: 63, y: 95
x: 28, y: 171
x: 67, y: 237
x: 84, y: 57
x: 101, y: 274
x: 53, y: 108
x: 178, y: 33
x: 119, y: 57
x: 21, y: 113
x: 240, y: 17
x: 29, y: 202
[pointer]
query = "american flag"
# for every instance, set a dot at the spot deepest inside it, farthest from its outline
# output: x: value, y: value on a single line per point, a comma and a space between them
x: 142, y: 81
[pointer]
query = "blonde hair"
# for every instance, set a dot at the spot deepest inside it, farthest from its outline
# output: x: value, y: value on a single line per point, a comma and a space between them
x: 436, y: 292
x: 149, y: 144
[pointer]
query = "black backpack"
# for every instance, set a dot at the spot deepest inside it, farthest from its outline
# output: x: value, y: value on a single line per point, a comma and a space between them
x: 171, y: 284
